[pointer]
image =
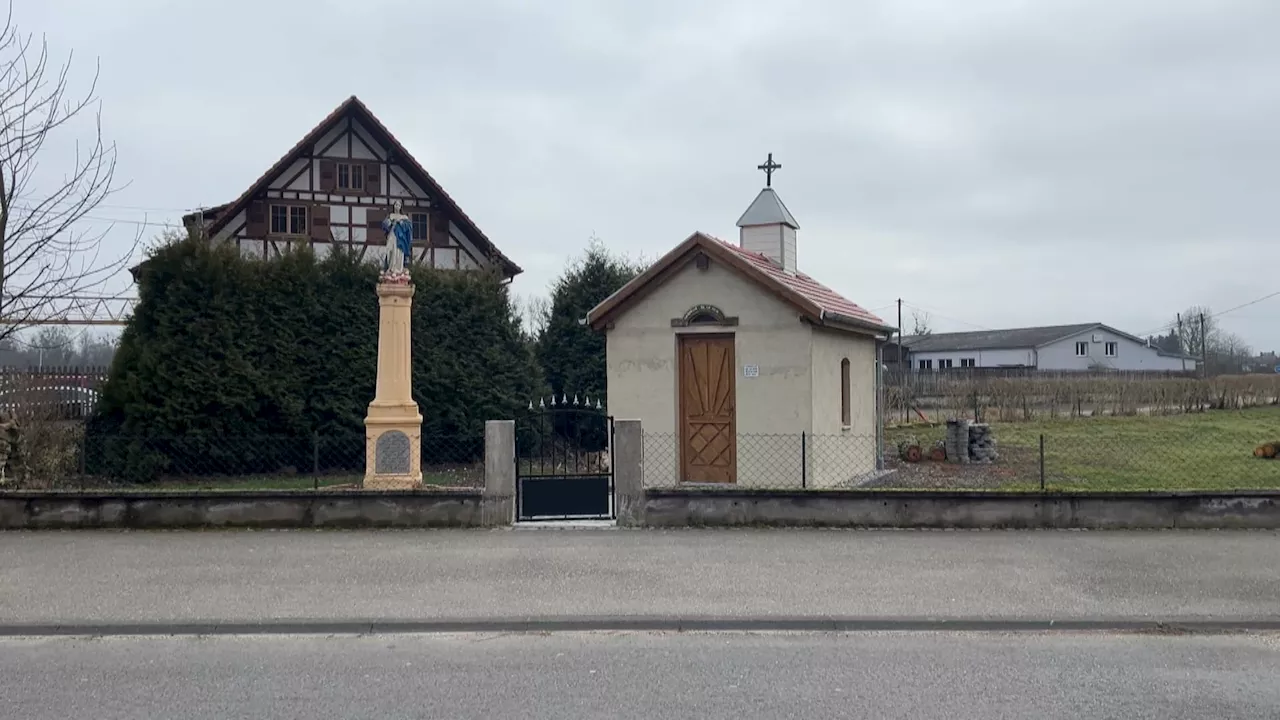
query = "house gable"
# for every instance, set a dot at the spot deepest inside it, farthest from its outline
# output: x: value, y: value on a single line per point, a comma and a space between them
x: 335, y: 186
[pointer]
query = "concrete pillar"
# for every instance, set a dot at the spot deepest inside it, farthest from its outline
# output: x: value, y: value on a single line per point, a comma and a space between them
x: 393, y: 427
x: 498, y: 505
x: 628, y: 472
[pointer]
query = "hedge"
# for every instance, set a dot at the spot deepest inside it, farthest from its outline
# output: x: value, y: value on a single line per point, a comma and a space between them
x: 222, y: 347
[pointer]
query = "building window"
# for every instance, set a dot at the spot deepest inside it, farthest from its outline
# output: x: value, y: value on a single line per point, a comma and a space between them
x: 350, y: 176
x: 288, y: 220
x: 419, y: 225
x: 926, y: 364
x: 944, y: 364
x: 279, y: 220
x: 1110, y: 349
x: 846, y: 416
x: 1082, y: 349
x: 968, y: 362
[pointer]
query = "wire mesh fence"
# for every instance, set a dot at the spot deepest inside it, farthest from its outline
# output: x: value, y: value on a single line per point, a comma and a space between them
x: 1068, y: 458
x: 313, y: 462
x: 762, y: 461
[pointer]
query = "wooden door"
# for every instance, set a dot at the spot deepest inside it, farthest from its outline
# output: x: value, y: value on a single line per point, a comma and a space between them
x: 708, y: 409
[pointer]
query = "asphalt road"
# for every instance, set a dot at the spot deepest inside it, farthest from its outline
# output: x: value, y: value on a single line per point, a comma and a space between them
x: 624, y: 675
x: 115, y: 577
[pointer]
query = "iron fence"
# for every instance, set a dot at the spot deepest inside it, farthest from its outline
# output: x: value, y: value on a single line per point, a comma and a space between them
x: 195, y: 461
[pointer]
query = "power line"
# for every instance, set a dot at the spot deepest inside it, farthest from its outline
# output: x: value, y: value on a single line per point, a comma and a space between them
x: 944, y: 317
x: 1174, y: 324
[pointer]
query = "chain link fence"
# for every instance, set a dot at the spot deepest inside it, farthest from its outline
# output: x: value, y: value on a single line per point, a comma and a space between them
x: 1076, y: 457
x: 796, y: 461
x: 314, y: 462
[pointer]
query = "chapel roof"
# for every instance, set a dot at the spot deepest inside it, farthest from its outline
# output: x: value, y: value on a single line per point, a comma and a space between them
x: 817, y: 302
x: 767, y: 209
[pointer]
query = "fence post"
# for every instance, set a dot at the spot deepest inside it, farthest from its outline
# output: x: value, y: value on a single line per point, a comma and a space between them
x: 804, y: 460
x: 498, y: 501
x: 1041, y: 462
x: 315, y: 460
x: 84, y: 451
x: 628, y: 472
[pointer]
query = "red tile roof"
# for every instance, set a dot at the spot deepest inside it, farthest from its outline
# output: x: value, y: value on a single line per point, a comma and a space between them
x: 814, y: 300
x: 812, y: 290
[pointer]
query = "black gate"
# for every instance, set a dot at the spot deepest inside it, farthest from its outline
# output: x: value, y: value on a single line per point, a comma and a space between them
x: 564, y: 461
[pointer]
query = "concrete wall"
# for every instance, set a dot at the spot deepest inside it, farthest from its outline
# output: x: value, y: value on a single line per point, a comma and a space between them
x: 1061, y: 355
x: 837, y: 453
x: 851, y: 508
x: 264, y: 509
x: 642, y: 366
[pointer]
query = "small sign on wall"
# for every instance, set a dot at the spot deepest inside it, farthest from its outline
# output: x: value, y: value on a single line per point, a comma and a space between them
x: 750, y: 371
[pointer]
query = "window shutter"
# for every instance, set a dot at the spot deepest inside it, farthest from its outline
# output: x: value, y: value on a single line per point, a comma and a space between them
x: 320, y: 223
x: 439, y: 229
x: 256, y: 220
x: 328, y: 175
x: 373, y: 179
x: 375, y: 233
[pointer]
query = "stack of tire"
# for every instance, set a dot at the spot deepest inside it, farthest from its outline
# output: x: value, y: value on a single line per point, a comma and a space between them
x: 982, y: 444
x: 957, y: 442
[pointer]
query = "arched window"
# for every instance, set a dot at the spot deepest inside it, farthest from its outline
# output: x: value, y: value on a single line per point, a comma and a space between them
x: 846, y: 414
x: 703, y: 317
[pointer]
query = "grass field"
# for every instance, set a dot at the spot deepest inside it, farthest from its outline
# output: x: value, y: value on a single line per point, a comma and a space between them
x: 1210, y: 450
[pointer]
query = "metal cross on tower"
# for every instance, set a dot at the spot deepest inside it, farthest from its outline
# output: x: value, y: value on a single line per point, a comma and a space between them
x: 769, y: 167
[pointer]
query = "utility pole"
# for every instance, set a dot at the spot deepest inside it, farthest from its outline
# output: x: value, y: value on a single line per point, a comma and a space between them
x: 1182, y: 346
x: 1204, y: 350
x: 902, y: 371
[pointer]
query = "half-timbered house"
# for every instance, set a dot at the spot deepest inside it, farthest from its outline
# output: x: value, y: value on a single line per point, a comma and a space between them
x: 335, y: 187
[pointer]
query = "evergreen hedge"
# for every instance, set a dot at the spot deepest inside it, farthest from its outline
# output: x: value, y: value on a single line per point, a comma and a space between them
x: 571, y: 354
x: 237, y: 365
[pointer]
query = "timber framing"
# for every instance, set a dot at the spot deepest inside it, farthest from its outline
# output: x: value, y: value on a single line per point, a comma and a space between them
x: 352, y: 147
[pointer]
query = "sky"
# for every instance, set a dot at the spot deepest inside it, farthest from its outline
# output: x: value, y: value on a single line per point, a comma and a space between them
x: 995, y: 163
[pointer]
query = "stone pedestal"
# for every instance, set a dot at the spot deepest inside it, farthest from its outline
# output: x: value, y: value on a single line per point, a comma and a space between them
x: 393, y: 427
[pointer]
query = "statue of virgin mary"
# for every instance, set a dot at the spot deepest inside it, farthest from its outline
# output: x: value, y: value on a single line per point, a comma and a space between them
x: 399, y: 230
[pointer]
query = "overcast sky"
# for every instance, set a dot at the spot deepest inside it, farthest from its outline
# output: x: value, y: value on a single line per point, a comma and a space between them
x: 997, y: 162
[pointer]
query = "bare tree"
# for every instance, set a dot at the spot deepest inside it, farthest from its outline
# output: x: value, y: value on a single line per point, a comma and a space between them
x: 535, y: 312
x: 922, y: 323
x: 46, y: 254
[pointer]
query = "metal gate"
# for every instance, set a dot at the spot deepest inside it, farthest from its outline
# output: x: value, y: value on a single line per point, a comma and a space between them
x: 564, y: 461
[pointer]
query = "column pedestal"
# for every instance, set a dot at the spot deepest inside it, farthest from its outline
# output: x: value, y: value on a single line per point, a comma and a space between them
x: 393, y: 427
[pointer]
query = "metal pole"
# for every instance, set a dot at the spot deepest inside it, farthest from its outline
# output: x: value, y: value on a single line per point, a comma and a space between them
x: 315, y: 460
x: 880, y: 406
x: 1042, y: 462
x: 804, y: 460
x: 902, y: 371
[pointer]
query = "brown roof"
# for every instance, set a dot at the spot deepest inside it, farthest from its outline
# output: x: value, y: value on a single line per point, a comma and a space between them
x: 812, y: 299
x: 353, y: 105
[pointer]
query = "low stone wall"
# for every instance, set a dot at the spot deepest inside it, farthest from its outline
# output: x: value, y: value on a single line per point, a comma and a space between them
x: 682, y: 507
x: 257, y: 509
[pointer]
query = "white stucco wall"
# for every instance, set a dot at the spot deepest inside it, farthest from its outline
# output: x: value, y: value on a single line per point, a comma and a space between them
x: 836, y: 453
x: 983, y: 358
x: 1061, y: 355
x: 772, y: 409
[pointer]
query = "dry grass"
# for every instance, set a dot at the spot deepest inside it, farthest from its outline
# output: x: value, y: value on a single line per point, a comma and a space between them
x: 1030, y: 398
x: 1209, y: 450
